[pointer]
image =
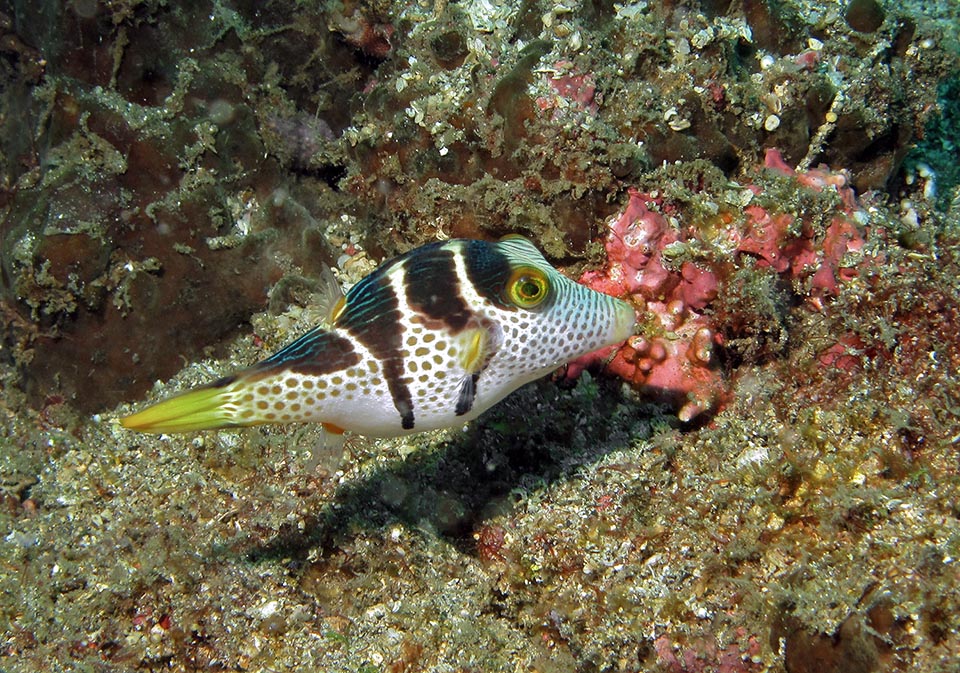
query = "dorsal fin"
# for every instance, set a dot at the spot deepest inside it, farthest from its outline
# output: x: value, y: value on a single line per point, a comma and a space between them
x: 329, y: 298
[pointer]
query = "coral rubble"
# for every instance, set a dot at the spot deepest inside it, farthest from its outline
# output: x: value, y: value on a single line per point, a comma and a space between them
x: 769, y: 479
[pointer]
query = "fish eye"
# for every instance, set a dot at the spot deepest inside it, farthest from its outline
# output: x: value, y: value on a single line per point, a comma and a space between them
x: 528, y: 287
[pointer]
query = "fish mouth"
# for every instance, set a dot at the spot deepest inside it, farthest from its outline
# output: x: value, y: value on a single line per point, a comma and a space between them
x: 624, y: 320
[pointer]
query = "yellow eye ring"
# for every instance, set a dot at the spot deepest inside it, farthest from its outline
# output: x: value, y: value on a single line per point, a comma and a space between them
x: 528, y: 287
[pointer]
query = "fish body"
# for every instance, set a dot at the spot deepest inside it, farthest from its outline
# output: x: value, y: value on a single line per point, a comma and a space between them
x: 431, y: 339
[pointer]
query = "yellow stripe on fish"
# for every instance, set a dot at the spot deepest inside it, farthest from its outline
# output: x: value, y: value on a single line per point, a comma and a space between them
x: 429, y: 340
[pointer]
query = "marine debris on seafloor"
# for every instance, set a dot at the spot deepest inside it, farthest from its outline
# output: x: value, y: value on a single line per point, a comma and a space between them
x: 768, y: 482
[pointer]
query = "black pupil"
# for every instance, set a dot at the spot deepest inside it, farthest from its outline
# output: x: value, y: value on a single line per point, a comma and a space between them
x: 529, y: 289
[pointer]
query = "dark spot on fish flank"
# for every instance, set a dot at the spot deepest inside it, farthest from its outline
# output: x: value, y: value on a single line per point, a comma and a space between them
x: 405, y: 409
x: 362, y: 299
x: 432, y: 288
x: 372, y: 317
x: 369, y: 302
x: 316, y: 353
x: 488, y: 270
x: 399, y: 388
x: 468, y: 393
x: 429, y: 326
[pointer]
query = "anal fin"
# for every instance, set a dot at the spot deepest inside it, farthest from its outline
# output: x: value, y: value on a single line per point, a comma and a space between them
x: 327, y: 452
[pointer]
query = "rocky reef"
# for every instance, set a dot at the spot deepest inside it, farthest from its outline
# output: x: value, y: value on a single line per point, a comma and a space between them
x: 764, y: 477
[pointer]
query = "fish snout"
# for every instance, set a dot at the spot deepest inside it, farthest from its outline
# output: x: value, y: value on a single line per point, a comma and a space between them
x: 624, y: 320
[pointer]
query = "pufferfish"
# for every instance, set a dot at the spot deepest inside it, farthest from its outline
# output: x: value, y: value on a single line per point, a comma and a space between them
x: 430, y: 339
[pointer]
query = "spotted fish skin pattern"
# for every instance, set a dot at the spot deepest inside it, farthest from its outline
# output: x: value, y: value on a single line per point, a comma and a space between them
x: 429, y: 340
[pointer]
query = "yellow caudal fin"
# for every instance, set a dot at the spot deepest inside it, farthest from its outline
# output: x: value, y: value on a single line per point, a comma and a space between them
x: 206, y: 408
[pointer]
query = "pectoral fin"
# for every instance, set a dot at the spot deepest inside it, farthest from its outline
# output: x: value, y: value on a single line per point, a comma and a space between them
x: 479, y: 345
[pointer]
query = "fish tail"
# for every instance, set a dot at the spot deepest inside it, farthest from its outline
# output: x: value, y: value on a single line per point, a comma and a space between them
x: 211, y: 407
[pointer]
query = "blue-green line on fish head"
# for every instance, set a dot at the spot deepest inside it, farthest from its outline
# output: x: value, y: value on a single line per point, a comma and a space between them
x: 429, y: 340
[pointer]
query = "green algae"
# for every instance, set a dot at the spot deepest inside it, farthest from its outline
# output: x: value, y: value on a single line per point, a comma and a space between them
x: 812, y: 521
